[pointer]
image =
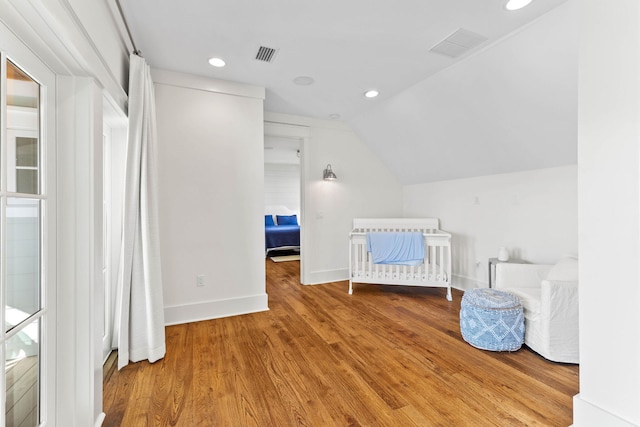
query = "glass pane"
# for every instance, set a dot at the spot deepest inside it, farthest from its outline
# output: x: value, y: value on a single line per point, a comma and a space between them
x: 23, y: 260
x: 22, y: 369
x: 23, y: 142
x: 27, y: 181
x: 26, y: 151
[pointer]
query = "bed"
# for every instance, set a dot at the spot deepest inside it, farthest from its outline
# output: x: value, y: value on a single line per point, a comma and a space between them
x: 433, y: 270
x: 281, y: 229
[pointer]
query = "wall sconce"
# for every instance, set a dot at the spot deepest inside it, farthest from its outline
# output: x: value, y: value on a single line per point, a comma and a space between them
x: 328, y: 174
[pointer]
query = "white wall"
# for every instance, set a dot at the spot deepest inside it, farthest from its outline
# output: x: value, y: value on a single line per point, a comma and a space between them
x: 80, y: 303
x: 282, y: 150
x: 534, y: 214
x: 282, y: 186
x: 609, y: 206
x: 210, y: 154
x: 365, y: 188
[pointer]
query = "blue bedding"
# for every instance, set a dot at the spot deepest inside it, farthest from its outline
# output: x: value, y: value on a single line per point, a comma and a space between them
x: 396, y: 248
x: 281, y: 236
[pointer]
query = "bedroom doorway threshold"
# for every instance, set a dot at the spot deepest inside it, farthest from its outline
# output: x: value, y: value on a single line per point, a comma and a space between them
x: 285, y: 258
x: 285, y: 255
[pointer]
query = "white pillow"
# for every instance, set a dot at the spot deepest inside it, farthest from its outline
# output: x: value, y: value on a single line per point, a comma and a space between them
x: 565, y: 270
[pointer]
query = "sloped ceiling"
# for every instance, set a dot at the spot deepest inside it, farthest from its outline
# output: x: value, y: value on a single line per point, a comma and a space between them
x: 507, y: 108
x: 507, y: 105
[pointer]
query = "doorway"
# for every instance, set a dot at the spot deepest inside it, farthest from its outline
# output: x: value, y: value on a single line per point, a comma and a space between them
x: 284, y: 177
x: 114, y: 142
x: 282, y: 198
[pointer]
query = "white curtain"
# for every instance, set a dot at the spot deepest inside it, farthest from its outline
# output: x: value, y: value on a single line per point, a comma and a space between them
x: 139, y: 319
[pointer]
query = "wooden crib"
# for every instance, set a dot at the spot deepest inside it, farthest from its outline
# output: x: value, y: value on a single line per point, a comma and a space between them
x: 435, y: 271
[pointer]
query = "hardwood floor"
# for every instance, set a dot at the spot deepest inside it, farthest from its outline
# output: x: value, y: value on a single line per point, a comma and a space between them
x: 384, y: 356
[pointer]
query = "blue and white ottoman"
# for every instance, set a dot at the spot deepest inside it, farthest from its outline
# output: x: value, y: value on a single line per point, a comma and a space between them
x: 492, y: 320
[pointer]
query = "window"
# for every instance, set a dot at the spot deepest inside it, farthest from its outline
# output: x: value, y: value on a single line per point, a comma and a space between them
x: 23, y: 210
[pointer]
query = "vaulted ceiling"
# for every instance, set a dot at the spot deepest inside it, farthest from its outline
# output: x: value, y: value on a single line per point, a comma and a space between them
x: 507, y: 104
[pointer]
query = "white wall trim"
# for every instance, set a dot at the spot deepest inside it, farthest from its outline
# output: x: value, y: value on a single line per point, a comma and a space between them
x: 286, y: 130
x: 55, y: 31
x: 302, y: 121
x: 587, y: 414
x: 190, y: 81
x: 327, y: 276
x: 187, y: 313
x: 100, y: 419
x: 464, y: 283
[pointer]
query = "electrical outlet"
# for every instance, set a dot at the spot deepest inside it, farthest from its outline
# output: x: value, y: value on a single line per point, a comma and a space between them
x: 200, y: 280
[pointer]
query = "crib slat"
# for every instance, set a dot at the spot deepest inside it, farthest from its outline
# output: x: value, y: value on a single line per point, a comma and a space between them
x: 370, y: 261
x: 426, y: 261
x: 355, y: 250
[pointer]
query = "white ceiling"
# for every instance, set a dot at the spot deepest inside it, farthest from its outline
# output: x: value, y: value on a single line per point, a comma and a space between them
x: 507, y: 105
x: 347, y: 47
x: 509, y: 108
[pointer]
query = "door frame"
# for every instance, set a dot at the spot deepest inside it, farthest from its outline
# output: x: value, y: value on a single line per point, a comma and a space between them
x: 114, y: 131
x: 303, y: 134
x: 15, y: 50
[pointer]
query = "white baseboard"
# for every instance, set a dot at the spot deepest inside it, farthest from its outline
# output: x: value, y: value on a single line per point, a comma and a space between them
x: 207, y: 310
x: 327, y: 276
x: 586, y: 414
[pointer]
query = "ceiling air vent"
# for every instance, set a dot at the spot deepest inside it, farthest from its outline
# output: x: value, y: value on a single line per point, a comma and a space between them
x: 265, y: 54
x: 458, y: 43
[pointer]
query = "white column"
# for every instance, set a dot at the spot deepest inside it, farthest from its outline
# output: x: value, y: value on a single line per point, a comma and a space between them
x: 80, y: 305
x: 609, y: 214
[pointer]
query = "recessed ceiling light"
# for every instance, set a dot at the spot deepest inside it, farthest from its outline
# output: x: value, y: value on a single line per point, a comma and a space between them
x: 217, y: 62
x: 516, y: 4
x: 304, y: 80
x: 334, y: 116
x: 371, y: 93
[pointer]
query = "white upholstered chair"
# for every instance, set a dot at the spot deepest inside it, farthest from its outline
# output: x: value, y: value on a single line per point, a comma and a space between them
x: 549, y: 296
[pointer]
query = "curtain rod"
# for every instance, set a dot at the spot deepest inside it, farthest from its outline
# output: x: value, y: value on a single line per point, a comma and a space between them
x: 126, y: 26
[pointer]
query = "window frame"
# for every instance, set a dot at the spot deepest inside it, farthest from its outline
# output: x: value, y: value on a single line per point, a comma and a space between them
x: 45, y: 315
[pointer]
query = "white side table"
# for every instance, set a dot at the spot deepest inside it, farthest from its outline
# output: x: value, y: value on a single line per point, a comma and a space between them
x: 492, y: 266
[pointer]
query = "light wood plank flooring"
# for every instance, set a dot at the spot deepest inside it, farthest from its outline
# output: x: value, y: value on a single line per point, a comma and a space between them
x: 384, y: 356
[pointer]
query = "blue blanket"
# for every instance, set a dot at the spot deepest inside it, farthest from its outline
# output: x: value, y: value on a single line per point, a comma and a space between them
x: 281, y: 236
x: 396, y: 248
